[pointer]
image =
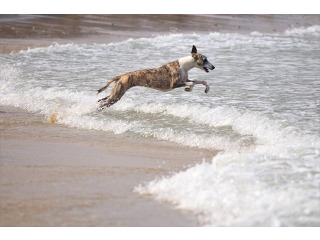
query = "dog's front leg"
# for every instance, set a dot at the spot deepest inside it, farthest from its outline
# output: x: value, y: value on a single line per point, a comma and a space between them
x: 205, y: 84
x: 192, y: 83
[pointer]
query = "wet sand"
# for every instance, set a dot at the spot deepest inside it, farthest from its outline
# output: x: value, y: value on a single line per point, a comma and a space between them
x: 51, y: 175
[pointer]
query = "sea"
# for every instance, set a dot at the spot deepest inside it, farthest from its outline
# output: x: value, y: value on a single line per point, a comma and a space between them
x: 262, y: 116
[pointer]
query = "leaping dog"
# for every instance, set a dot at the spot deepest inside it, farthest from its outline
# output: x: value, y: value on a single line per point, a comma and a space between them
x: 164, y: 78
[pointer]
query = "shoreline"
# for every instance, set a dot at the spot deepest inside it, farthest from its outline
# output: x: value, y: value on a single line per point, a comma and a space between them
x: 52, y: 175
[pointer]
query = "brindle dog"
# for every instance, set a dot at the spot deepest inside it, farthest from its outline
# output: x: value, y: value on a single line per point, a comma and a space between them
x: 164, y: 78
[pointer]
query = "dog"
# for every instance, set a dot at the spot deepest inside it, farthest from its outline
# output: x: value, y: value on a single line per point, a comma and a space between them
x: 165, y: 78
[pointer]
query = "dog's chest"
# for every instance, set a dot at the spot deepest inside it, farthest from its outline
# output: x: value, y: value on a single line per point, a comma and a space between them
x: 183, y: 74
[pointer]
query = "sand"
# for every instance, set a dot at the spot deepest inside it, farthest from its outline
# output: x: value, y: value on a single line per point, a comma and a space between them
x: 51, y: 175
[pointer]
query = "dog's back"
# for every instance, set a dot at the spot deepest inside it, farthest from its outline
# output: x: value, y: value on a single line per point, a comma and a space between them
x: 163, y: 78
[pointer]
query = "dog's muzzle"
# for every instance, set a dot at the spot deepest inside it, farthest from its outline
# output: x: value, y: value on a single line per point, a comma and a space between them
x: 207, y: 67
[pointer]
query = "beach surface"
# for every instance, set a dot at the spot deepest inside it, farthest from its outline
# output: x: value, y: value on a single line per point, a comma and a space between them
x: 53, y: 175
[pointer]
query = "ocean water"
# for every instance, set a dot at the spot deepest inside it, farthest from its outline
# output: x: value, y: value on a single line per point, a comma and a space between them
x: 262, y: 113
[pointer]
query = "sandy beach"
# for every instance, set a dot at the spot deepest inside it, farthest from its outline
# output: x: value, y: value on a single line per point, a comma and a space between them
x: 53, y: 175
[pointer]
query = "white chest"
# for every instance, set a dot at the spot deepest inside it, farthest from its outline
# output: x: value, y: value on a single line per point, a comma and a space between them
x: 184, y: 74
x: 186, y: 63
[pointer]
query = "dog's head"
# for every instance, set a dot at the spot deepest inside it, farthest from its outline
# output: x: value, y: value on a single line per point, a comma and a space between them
x: 201, y: 60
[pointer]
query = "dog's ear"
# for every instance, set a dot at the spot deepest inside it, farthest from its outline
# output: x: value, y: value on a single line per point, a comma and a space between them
x: 194, y: 49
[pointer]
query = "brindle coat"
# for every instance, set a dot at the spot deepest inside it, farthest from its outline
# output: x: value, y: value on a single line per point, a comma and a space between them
x: 164, y: 78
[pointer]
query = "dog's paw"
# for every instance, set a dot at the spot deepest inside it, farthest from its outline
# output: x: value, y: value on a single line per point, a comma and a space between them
x: 102, y: 100
x: 207, y: 90
x: 101, y: 107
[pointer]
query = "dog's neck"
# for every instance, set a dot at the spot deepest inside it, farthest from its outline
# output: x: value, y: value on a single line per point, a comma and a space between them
x: 187, y: 63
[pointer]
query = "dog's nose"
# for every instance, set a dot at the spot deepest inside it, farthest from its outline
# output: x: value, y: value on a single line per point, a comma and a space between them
x: 213, y: 67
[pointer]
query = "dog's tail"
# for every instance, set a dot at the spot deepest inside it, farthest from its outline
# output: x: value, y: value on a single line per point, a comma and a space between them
x: 107, y: 85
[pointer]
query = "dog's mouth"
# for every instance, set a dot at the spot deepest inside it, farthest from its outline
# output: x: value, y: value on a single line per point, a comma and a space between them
x: 207, y: 69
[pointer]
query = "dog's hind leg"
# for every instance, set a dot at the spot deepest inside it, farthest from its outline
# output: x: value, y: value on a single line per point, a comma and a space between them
x: 108, y: 103
x: 103, y: 99
x: 117, y: 92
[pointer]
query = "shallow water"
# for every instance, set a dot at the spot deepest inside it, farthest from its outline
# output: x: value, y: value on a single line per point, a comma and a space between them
x: 262, y: 112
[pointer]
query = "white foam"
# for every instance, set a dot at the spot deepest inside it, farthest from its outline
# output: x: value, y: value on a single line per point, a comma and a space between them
x: 243, y: 189
x: 315, y: 30
x: 256, y: 33
x: 54, y: 47
x: 267, y: 132
x: 294, y: 31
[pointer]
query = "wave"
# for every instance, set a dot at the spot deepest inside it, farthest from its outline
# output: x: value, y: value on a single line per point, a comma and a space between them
x: 265, y: 130
x: 313, y: 30
x: 79, y: 110
x: 244, y: 189
x: 293, y: 31
x: 160, y: 41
